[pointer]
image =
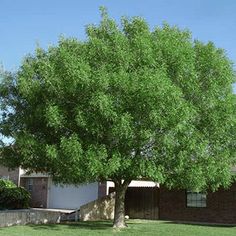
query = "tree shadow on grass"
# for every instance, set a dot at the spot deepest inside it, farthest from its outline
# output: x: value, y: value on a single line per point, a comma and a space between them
x: 91, y: 225
x: 191, y: 223
x: 202, y: 224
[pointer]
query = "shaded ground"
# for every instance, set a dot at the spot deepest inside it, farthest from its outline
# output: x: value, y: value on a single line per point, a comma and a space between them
x: 136, y: 227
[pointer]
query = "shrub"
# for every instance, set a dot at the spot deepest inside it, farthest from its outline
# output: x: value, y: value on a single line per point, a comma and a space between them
x: 13, y: 197
x: 6, y: 184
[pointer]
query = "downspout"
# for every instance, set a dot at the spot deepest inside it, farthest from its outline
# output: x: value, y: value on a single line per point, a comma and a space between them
x: 19, y: 175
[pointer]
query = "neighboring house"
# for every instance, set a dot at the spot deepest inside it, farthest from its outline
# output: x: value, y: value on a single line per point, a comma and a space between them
x: 46, y: 194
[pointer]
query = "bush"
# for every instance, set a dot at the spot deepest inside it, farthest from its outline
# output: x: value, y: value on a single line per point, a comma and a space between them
x: 13, y: 197
x: 6, y: 184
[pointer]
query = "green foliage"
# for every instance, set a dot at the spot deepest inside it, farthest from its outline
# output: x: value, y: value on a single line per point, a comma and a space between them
x: 13, y: 197
x: 126, y: 103
x: 6, y: 184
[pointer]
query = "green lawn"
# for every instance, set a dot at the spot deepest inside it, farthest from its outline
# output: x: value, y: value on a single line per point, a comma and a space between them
x: 136, y: 227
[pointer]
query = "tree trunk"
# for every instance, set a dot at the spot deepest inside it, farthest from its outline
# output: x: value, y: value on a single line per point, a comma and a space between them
x: 119, y: 217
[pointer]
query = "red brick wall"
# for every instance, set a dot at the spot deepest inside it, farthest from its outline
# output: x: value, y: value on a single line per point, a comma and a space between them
x: 12, y: 175
x: 221, y: 206
x: 39, y: 190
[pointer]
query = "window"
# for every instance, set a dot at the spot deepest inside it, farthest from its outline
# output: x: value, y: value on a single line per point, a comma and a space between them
x: 195, y: 199
x: 30, y: 185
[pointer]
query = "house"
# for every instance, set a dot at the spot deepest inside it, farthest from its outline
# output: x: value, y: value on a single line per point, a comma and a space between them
x: 46, y: 194
x: 183, y: 205
x: 144, y: 199
x: 172, y: 205
x: 212, y: 207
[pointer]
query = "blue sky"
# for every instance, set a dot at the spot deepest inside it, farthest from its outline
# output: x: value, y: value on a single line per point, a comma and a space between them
x: 25, y: 23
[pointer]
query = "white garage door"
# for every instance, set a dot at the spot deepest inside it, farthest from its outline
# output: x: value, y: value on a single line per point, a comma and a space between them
x: 71, y: 197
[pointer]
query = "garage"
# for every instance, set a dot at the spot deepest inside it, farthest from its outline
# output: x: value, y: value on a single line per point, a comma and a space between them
x: 70, y: 196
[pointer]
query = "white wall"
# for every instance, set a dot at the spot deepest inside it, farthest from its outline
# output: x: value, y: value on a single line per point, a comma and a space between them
x: 71, y: 197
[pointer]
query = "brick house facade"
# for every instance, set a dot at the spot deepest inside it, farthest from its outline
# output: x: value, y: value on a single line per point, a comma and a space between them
x: 220, y: 206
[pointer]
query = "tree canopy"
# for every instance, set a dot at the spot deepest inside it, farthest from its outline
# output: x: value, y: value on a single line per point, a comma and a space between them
x: 126, y: 103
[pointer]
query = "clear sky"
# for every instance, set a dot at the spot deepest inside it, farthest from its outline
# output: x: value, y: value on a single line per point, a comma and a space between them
x: 25, y: 23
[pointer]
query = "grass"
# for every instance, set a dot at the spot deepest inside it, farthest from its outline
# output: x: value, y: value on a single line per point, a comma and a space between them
x: 136, y: 228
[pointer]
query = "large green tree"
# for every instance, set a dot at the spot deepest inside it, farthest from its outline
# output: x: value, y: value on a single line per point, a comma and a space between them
x: 126, y: 103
